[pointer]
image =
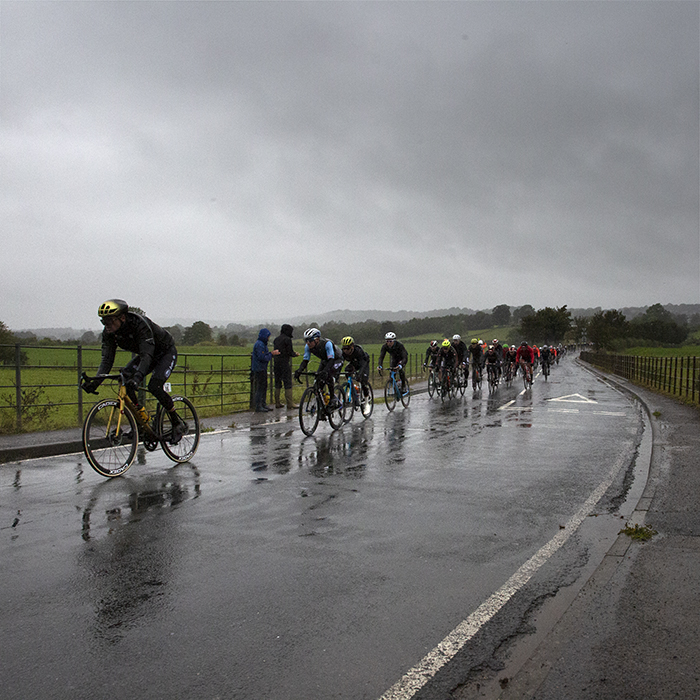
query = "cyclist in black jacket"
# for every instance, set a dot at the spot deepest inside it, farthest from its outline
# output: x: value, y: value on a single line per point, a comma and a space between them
x: 431, y: 354
x: 358, y: 361
x: 397, y: 353
x: 154, y: 350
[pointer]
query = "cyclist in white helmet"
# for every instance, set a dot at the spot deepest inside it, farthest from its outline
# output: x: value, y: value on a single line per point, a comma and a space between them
x: 397, y: 353
x: 329, y: 354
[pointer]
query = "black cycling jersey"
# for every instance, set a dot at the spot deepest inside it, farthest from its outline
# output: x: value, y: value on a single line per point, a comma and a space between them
x: 431, y: 354
x: 461, y: 349
x: 358, y: 361
x: 397, y: 353
x: 492, y: 358
x: 139, y: 335
x: 476, y: 353
x: 447, y: 357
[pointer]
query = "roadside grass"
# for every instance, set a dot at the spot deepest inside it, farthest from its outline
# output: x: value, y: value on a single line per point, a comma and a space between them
x: 639, y: 533
x: 683, y: 351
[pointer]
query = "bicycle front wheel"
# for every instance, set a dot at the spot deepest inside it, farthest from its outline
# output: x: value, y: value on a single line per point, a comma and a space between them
x: 110, y: 438
x: 366, y: 400
x: 405, y: 393
x: 431, y: 384
x: 182, y: 449
x: 390, y: 395
x: 336, y: 416
x: 348, y: 398
x: 309, y: 411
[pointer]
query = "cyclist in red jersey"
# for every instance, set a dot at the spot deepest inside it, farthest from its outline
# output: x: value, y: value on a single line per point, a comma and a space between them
x: 524, y: 358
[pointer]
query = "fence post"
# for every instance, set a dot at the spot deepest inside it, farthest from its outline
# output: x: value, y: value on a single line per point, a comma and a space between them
x: 221, y: 377
x: 18, y: 386
x: 80, y: 391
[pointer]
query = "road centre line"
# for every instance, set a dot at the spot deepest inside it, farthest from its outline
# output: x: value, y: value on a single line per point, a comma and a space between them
x: 418, y: 676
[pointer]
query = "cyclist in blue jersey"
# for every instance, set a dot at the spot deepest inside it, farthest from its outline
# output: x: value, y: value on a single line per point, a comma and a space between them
x: 331, y: 359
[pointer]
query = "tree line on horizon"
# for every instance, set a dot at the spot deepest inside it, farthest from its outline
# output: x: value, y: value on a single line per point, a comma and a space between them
x: 607, y: 330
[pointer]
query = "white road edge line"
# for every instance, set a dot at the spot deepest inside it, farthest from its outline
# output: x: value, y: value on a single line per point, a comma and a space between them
x: 418, y: 676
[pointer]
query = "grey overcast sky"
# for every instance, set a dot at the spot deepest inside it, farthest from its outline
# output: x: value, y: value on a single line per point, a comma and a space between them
x: 242, y: 161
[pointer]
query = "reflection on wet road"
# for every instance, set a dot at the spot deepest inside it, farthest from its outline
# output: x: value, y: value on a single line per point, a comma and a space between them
x: 280, y: 566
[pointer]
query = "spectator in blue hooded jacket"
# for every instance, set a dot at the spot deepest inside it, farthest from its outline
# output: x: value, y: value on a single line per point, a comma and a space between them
x: 258, y: 370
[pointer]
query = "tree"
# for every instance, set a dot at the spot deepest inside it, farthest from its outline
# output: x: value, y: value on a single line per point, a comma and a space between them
x: 546, y: 325
x: 89, y: 338
x: 607, y: 327
x: 501, y: 315
x: 177, y: 333
x: 7, y: 350
x: 659, y: 325
x: 520, y: 313
x: 198, y: 332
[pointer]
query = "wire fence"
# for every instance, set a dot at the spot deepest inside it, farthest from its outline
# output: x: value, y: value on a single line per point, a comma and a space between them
x: 678, y: 376
x: 40, y: 385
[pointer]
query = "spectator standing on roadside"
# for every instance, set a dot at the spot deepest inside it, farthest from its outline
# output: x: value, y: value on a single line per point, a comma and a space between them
x: 282, y: 366
x: 258, y: 370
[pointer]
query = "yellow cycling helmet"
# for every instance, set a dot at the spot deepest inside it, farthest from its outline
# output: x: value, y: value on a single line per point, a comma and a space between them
x: 112, y: 307
x: 474, y: 341
x: 347, y: 341
x: 446, y: 343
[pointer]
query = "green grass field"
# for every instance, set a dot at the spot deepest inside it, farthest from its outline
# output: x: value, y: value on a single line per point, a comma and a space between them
x: 684, y: 351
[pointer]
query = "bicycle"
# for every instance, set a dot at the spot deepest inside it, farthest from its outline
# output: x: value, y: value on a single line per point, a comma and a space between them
x: 357, y: 396
x: 395, y: 391
x: 111, y: 430
x: 448, y: 385
x: 462, y: 377
x: 476, y: 376
x: 432, y: 381
x: 315, y: 405
x: 492, y: 377
x: 509, y: 373
x: 527, y: 372
x: 545, y: 368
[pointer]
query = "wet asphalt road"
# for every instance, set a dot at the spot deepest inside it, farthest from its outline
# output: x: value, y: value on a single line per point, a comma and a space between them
x: 292, y: 568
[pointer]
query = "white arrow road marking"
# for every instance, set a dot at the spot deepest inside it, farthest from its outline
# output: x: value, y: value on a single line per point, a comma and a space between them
x: 573, y: 398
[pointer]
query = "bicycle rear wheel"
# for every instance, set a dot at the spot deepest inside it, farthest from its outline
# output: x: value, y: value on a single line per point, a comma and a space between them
x: 109, y: 451
x: 405, y: 393
x: 390, y: 395
x: 336, y: 416
x: 366, y: 400
x: 309, y: 411
x: 183, y: 450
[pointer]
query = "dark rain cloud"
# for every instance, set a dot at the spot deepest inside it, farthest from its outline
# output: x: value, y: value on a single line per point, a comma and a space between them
x: 448, y: 154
